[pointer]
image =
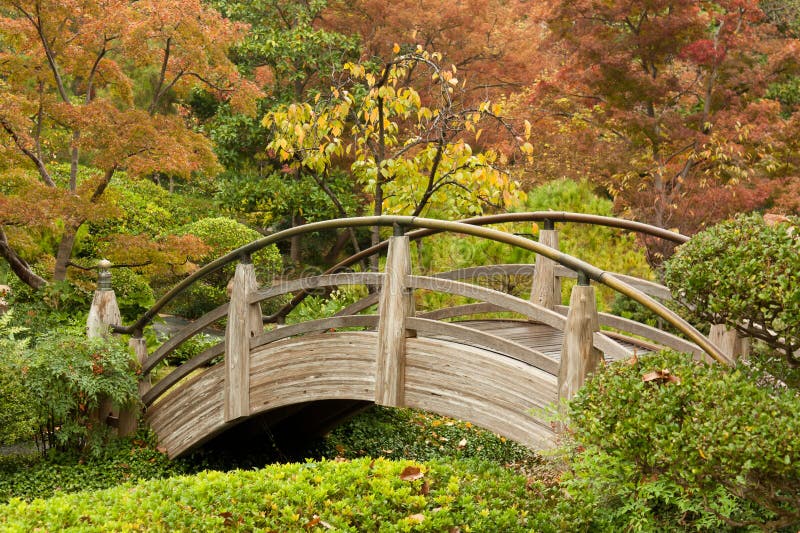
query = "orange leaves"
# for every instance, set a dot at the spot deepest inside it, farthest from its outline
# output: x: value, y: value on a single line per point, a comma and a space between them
x: 661, y: 376
x: 411, y: 473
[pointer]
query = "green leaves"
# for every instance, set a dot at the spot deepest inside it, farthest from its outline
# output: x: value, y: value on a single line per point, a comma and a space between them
x: 362, y: 495
x: 744, y: 272
x: 713, y: 446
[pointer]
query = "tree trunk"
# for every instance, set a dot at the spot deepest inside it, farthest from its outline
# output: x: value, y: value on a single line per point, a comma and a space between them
x: 20, y: 268
x: 64, y: 253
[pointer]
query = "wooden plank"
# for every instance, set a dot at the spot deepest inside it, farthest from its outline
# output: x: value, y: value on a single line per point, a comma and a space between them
x: 316, y: 282
x: 546, y: 288
x: 312, y: 326
x: 500, y: 299
x: 729, y: 341
x: 461, y: 310
x: 244, y: 322
x: 579, y: 356
x: 487, y: 271
x: 182, y: 335
x: 167, y: 382
x: 485, y: 340
x: 396, y: 303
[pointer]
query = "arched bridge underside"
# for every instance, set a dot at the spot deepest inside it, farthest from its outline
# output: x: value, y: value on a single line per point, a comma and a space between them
x: 500, y: 371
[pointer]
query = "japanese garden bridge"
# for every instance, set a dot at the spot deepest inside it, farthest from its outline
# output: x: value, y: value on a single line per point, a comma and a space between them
x: 460, y: 361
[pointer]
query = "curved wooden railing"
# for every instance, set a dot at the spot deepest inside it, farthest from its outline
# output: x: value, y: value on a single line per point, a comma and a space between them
x: 431, y: 323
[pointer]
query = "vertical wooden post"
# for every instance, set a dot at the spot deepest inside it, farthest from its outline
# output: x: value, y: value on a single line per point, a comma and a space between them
x: 103, y: 313
x: 244, y: 322
x: 729, y: 341
x: 129, y: 418
x: 395, y: 305
x: 546, y: 290
x: 579, y: 357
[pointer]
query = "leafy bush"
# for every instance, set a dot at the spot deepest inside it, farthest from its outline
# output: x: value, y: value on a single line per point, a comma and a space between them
x: 134, y: 295
x: 69, y: 377
x: 746, y: 273
x: 665, y: 441
x: 123, y: 460
x: 411, y: 434
x: 362, y: 495
x: 223, y: 235
x: 16, y: 417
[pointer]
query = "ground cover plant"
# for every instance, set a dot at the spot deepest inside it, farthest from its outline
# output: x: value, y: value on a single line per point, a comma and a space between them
x: 360, y: 495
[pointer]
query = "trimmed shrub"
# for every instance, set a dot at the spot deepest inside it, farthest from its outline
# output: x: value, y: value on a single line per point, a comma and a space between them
x: 746, y: 273
x: 665, y: 442
x: 222, y: 235
x: 362, y: 495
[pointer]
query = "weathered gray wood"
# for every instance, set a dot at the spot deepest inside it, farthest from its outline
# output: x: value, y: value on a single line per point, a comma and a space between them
x: 244, y: 322
x: 546, y: 289
x: 729, y: 341
x: 579, y: 357
x: 500, y: 299
x: 478, y: 385
x: 396, y: 303
x: 658, y: 336
x: 182, y: 335
x: 129, y: 418
x: 167, y: 382
x: 483, y: 339
x: 315, y: 282
x: 103, y: 313
x: 461, y: 310
x: 312, y: 326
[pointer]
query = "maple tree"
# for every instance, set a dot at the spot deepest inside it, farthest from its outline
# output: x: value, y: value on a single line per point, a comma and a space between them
x: 489, y: 41
x: 72, y: 91
x: 410, y: 157
x: 669, y: 101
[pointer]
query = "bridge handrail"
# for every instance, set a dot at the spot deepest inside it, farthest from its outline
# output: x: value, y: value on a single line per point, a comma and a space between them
x: 486, y: 220
x: 245, y: 251
x: 527, y: 269
x: 589, y: 270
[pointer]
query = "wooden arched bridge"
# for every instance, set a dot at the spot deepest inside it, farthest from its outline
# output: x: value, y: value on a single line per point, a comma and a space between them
x: 456, y: 361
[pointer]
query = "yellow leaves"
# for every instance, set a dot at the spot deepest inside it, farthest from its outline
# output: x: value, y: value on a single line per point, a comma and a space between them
x: 396, y: 48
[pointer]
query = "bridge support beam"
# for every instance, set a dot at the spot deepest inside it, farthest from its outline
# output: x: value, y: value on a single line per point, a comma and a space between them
x: 579, y: 357
x: 729, y: 341
x: 396, y: 303
x: 546, y: 289
x: 244, y: 322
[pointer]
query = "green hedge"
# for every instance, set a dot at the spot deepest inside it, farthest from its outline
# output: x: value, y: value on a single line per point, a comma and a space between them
x: 744, y: 272
x: 667, y: 443
x: 361, y: 495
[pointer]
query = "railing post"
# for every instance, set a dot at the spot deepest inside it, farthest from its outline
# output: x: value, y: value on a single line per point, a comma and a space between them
x: 103, y: 314
x: 546, y: 289
x: 129, y: 418
x: 579, y: 357
x: 244, y: 322
x: 396, y: 303
x: 104, y: 311
x: 729, y: 341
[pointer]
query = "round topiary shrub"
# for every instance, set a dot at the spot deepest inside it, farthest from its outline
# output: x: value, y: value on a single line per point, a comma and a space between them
x: 744, y: 272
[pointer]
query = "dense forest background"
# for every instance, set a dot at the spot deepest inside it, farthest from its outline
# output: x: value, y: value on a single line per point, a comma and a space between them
x: 282, y: 113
